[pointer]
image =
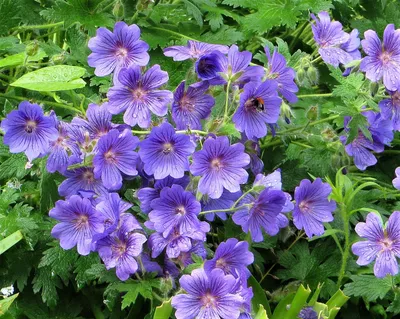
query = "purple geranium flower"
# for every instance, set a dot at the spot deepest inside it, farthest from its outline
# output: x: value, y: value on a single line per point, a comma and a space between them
x: 259, y: 104
x: 390, y: 109
x: 220, y: 166
x: 217, y: 68
x: 81, y: 179
x: 98, y: 121
x: 312, y: 207
x: 396, y: 181
x: 112, y: 51
x: 176, y: 242
x: 193, y: 50
x: 382, y: 244
x: 330, y: 37
x: 147, y: 194
x: 138, y: 94
x: 261, y: 213
x: 191, y: 106
x: 383, y: 59
x: 79, y: 222
x: 381, y: 132
x: 308, y: 313
x: 166, y: 153
x: 120, y: 248
x: 115, y: 156
x: 28, y: 130
x: 175, y: 208
x: 197, y: 249
x: 226, y: 201
x: 352, y: 45
x: 283, y: 75
x: 232, y: 257
x: 209, y: 295
x: 64, y: 151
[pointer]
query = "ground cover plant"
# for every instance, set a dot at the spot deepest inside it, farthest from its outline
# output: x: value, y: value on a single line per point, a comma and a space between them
x: 200, y: 159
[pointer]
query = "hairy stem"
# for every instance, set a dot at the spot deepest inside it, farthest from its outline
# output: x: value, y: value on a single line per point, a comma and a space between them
x: 346, y: 250
x: 228, y: 86
x: 43, y: 26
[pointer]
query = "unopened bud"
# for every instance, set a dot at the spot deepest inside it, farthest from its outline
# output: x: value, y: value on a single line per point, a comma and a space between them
x: 373, y: 88
x: 118, y: 10
x: 313, y: 75
x: 32, y: 48
x: 286, y: 112
x: 300, y: 75
x: 58, y: 58
x: 312, y: 113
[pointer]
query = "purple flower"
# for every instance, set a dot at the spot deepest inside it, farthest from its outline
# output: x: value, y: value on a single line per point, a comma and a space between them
x: 259, y: 104
x: 193, y: 50
x: 390, y: 109
x: 112, y: 207
x: 220, y: 166
x: 197, y: 249
x: 79, y: 222
x: 81, y: 179
x: 119, y: 249
x: 115, y: 156
x: 226, y: 201
x: 176, y: 242
x: 382, y: 244
x: 209, y: 295
x: 396, y: 181
x: 381, y: 132
x: 217, y: 68
x: 64, y: 151
x: 28, y: 130
x: 191, y: 106
x: 98, y: 121
x: 147, y: 194
x: 175, y: 208
x: 382, y: 60
x: 312, y: 207
x: 232, y: 257
x: 352, y: 45
x: 137, y: 95
x: 283, y: 75
x: 166, y: 153
x: 308, y: 313
x: 113, y: 51
x: 261, y: 213
x: 330, y: 37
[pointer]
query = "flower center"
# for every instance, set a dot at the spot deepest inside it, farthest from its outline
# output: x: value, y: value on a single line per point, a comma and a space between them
x: 220, y: 263
x: 216, y: 164
x: 385, y: 57
x: 186, y: 105
x: 304, y: 206
x: 121, y: 53
x: 110, y: 157
x: 180, y: 210
x: 82, y: 221
x: 167, y: 148
x: 88, y: 176
x: 139, y: 94
x: 396, y: 98
x: 254, y: 104
x: 209, y: 300
x: 386, y: 243
x: 59, y: 140
x: 30, y: 126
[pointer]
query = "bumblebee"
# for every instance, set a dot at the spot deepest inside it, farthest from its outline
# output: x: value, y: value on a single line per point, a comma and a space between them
x: 258, y: 104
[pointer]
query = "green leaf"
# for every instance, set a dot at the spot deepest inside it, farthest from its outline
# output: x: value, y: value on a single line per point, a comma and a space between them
x: 164, y: 311
x: 194, y: 11
x: 79, y: 11
x: 261, y: 314
x: 368, y: 287
x: 259, y: 299
x: 48, y: 189
x: 134, y: 288
x: 10, y: 241
x: 298, y: 302
x: 19, y: 218
x: 394, y: 307
x: 328, y: 232
x: 6, y: 303
x: 14, y: 166
x: 46, y: 282
x: 52, y: 78
x: 82, y: 265
x: 230, y: 130
x: 19, y: 59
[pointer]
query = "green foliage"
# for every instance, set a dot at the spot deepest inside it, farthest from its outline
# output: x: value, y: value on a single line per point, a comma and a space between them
x: 368, y: 287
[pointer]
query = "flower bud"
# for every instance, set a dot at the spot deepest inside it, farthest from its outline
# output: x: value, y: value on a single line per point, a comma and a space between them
x: 32, y: 48
x: 300, y: 76
x: 312, y: 113
x: 58, y: 58
x: 373, y: 88
x: 313, y: 75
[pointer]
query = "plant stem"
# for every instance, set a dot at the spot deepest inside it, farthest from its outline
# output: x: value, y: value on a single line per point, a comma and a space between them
x: 314, y: 95
x: 178, y: 132
x: 43, y: 26
x: 327, y: 119
x: 54, y: 104
x: 173, y: 33
x: 346, y: 250
x: 228, y: 86
x: 316, y: 60
x: 223, y: 210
